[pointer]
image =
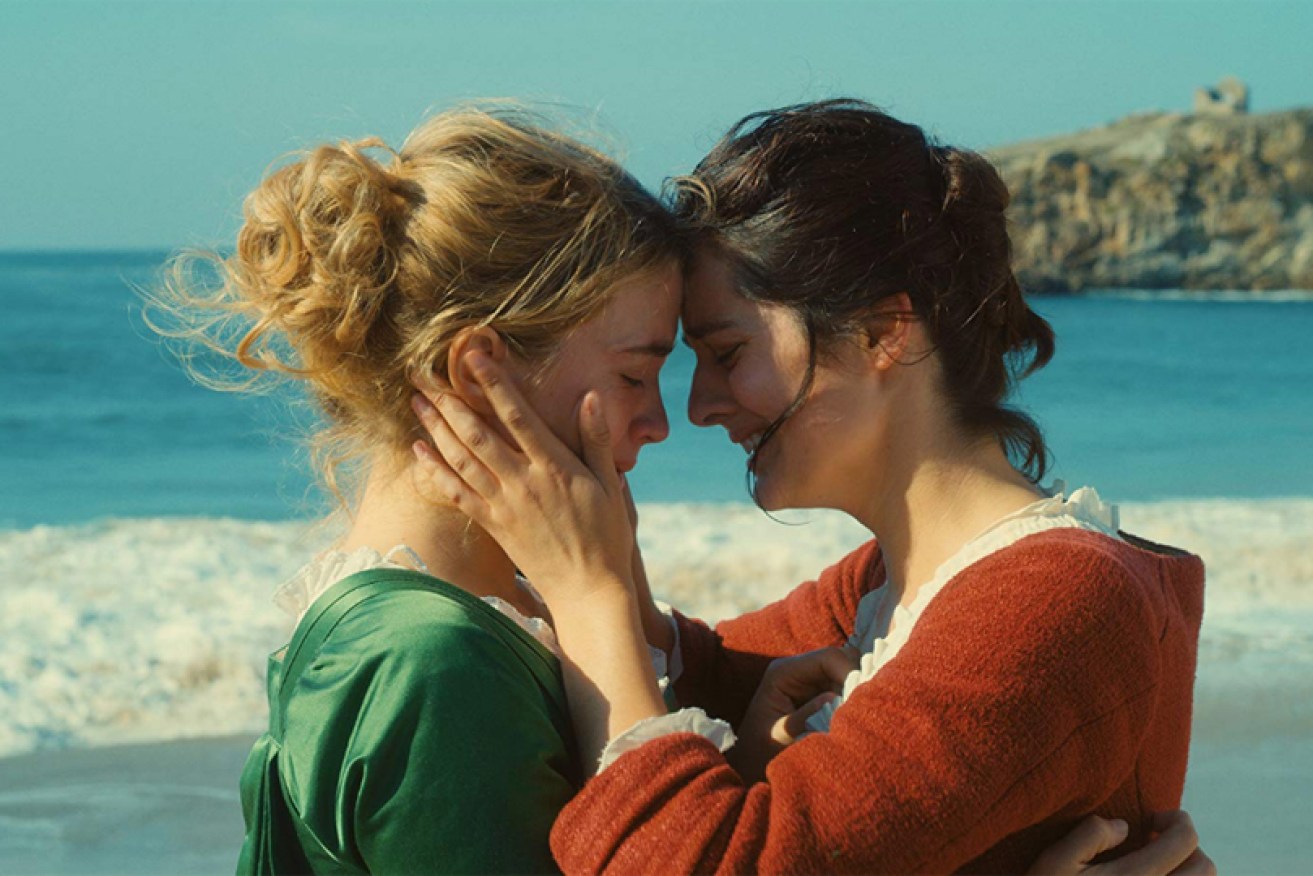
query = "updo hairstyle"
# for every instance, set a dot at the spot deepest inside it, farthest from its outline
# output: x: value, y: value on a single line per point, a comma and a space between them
x: 828, y: 208
x: 356, y: 266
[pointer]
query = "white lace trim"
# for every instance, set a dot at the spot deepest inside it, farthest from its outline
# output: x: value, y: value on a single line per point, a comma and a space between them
x: 296, y: 595
x: 882, y: 628
x: 298, y: 592
x: 683, y: 721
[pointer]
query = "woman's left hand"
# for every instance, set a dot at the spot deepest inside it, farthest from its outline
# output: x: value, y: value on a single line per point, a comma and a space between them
x: 1173, y: 851
x: 563, y: 521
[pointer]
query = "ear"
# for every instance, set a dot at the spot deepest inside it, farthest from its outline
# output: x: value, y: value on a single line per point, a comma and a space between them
x: 888, y: 330
x: 468, y: 340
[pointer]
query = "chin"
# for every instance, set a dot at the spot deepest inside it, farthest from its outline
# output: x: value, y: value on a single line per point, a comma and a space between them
x: 770, y: 497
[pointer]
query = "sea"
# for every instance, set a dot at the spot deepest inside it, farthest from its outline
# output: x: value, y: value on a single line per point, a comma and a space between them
x: 145, y: 522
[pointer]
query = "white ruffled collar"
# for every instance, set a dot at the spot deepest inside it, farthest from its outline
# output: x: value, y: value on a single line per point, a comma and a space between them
x: 297, y: 593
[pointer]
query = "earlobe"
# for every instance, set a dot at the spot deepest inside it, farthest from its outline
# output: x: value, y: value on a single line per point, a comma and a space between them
x: 480, y: 339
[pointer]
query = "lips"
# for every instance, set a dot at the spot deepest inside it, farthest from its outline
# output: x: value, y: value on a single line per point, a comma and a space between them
x: 749, y: 443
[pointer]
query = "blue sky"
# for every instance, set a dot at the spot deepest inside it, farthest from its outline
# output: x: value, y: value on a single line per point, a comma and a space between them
x: 142, y: 125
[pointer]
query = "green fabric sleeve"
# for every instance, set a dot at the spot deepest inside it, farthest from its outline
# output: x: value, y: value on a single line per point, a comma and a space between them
x: 419, y: 741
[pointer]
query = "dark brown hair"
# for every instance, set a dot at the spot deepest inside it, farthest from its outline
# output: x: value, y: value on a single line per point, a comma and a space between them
x: 828, y: 208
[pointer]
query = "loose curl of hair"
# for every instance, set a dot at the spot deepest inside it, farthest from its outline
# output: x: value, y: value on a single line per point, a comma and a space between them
x: 828, y: 208
x: 354, y: 273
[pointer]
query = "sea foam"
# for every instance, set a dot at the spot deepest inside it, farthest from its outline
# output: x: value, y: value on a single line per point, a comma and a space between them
x: 132, y: 630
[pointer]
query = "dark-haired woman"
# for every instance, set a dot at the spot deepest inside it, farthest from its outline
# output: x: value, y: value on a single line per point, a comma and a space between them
x: 1021, y: 662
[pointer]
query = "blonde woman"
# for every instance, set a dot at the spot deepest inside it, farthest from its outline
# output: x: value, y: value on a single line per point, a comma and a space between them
x: 417, y: 721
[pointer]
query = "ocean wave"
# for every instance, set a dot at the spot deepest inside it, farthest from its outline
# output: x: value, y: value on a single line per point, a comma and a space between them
x: 131, y: 630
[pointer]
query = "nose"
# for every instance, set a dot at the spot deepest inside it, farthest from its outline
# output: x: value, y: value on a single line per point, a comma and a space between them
x: 709, y: 402
x: 652, y: 426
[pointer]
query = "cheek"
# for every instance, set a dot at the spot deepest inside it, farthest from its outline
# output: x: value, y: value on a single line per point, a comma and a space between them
x: 554, y: 406
x: 760, y: 388
x: 622, y: 410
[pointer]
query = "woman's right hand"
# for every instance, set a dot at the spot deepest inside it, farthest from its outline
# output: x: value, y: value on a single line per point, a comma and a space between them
x: 1173, y: 852
x: 565, y: 524
x: 562, y: 520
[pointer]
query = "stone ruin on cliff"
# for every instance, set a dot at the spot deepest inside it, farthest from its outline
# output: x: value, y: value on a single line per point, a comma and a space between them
x: 1230, y: 97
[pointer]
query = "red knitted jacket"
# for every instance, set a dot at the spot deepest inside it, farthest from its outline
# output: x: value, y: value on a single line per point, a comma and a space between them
x: 1047, y: 681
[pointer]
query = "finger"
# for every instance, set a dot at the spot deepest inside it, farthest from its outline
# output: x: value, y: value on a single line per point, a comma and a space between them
x: 793, y: 725
x: 1174, y: 820
x: 596, y: 437
x: 432, y: 474
x: 1091, y: 837
x: 512, y: 409
x: 430, y: 384
x: 1175, y: 842
x: 455, y: 453
x: 837, y: 664
x: 823, y: 669
x: 1198, y: 864
x: 475, y: 435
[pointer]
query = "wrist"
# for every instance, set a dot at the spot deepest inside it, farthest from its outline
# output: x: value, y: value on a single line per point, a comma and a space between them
x: 607, y: 671
x: 609, y: 613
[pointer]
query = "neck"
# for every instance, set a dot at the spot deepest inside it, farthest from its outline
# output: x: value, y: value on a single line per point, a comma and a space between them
x: 392, y: 512
x: 940, y: 496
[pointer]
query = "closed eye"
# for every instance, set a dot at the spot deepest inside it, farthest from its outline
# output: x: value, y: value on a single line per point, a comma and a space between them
x: 726, y: 357
x: 631, y: 381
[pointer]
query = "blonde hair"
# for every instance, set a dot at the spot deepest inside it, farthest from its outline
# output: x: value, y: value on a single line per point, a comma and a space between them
x: 351, y: 274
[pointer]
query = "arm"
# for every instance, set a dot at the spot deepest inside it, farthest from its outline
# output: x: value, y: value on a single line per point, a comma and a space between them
x: 973, y: 733
x: 425, y: 747
x: 724, y: 667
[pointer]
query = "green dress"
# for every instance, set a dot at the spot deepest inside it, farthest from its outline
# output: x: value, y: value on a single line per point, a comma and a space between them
x: 413, y: 729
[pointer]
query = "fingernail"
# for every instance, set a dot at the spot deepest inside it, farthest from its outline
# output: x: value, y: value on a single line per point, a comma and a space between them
x: 478, y: 362
x: 1120, y: 827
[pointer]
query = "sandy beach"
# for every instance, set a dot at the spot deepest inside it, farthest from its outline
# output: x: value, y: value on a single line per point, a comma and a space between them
x: 166, y: 808
x: 172, y: 807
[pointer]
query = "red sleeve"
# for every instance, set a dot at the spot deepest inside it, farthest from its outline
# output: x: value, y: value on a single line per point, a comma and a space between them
x: 722, y: 667
x: 1022, y: 694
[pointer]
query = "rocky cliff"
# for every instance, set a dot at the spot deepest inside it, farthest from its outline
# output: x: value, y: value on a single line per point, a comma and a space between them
x: 1166, y: 200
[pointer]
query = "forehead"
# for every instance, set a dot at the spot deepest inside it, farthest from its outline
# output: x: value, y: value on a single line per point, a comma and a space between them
x: 711, y: 296
x: 644, y: 309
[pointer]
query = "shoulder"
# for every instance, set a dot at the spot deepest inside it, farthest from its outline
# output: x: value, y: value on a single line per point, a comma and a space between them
x: 428, y: 641
x: 397, y: 667
x: 1056, y: 589
x: 1074, y: 565
x: 417, y: 622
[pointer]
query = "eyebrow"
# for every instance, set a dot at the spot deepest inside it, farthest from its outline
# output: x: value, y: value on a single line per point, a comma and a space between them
x: 698, y: 332
x: 658, y: 349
